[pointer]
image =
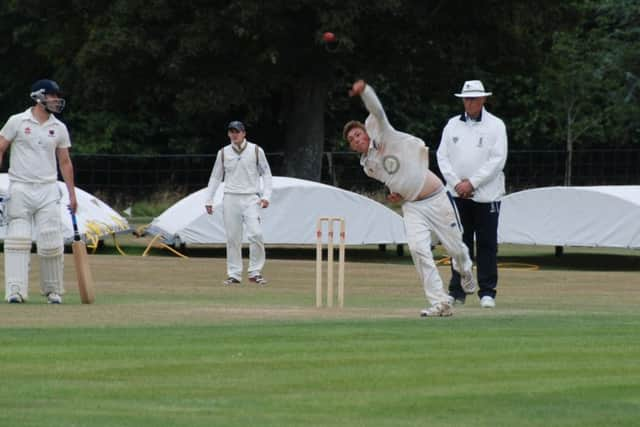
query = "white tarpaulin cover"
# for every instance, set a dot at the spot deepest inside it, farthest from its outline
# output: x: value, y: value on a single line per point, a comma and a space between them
x: 95, y: 218
x: 290, y: 218
x: 607, y: 216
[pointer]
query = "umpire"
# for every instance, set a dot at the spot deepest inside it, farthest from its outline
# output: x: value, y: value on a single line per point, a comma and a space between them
x: 471, y: 157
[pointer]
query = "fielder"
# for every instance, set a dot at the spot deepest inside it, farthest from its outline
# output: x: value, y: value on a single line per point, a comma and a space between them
x: 240, y: 165
x: 401, y: 162
x: 36, y: 138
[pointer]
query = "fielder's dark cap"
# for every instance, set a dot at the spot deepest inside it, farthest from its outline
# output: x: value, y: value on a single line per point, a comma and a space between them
x: 237, y: 125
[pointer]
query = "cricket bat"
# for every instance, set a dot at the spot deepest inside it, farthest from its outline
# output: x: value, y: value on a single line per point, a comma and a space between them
x: 81, y: 260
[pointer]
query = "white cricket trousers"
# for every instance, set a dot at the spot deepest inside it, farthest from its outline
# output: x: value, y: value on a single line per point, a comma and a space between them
x: 243, y: 210
x: 30, y: 204
x: 436, y: 213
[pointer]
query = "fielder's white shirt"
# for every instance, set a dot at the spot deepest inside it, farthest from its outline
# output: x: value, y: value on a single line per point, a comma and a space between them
x: 399, y: 160
x: 477, y: 151
x: 241, y: 172
x: 33, y: 147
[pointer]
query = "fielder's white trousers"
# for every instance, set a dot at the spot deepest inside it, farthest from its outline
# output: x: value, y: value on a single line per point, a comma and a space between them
x: 243, y: 211
x: 436, y: 213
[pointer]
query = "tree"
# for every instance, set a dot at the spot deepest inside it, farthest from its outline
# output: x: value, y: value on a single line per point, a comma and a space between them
x: 583, y: 81
x: 157, y: 76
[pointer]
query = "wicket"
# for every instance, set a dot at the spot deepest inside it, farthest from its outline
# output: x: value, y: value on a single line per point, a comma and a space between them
x: 319, y: 300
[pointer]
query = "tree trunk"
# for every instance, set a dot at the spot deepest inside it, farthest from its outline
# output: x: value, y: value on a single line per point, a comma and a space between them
x: 569, y: 160
x: 304, y: 124
x: 567, y: 164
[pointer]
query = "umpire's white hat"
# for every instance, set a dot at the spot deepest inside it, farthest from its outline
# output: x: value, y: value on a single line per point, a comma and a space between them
x: 472, y: 89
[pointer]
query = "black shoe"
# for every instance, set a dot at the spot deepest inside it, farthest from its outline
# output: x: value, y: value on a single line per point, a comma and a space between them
x: 231, y: 281
x: 456, y: 301
x: 258, y: 280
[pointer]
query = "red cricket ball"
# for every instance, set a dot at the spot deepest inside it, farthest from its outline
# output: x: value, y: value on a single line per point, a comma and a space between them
x: 329, y: 37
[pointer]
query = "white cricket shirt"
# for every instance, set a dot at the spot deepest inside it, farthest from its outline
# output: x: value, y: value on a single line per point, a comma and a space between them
x: 241, y: 172
x: 33, y: 147
x: 399, y: 160
x: 477, y: 151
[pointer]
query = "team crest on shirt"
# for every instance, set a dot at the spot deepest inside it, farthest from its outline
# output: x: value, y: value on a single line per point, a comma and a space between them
x: 455, y: 139
x: 391, y: 164
x: 52, y: 133
x: 27, y: 131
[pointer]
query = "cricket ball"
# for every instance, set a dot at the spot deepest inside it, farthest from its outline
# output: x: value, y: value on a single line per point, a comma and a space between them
x: 329, y: 37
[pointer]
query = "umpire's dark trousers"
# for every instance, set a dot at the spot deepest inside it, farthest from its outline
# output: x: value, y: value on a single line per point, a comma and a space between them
x: 479, y: 220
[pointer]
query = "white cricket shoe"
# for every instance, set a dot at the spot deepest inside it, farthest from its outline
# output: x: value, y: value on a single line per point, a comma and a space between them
x: 487, y: 302
x: 468, y: 283
x: 441, y: 309
x: 15, y: 299
x: 54, y: 298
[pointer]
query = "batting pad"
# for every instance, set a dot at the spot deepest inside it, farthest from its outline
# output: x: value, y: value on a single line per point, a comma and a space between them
x: 51, y: 250
x: 17, y: 248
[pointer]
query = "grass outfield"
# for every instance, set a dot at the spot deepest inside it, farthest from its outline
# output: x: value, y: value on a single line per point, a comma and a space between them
x: 166, y: 344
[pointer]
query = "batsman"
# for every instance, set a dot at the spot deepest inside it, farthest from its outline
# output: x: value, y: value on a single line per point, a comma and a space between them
x: 39, y: 142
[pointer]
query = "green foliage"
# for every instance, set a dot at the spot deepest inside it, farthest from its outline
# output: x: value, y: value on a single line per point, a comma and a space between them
x: 164, y: 77
x: 159, y: 202
x: 589, y: 77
